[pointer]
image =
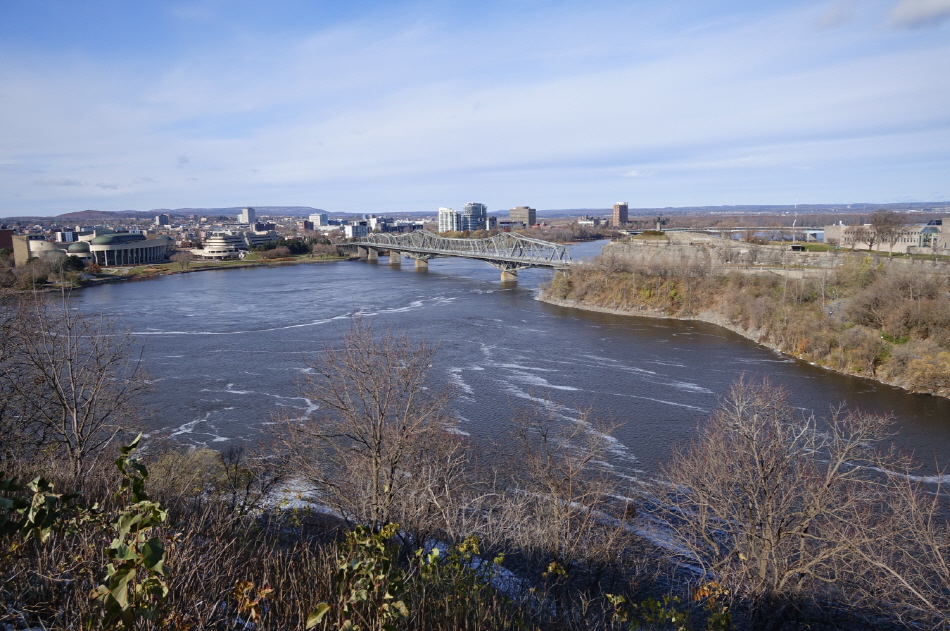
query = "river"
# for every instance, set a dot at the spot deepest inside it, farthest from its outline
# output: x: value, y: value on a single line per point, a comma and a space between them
x: 225, y: 351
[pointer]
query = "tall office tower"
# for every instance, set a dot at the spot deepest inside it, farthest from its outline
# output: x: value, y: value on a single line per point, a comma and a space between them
x: 319, y: 219
x: 475, y: 216
x: 449, y: 220
x: 162, y: 220
x: 620, y: 215
x: 524, y: 214
x: 247, y: 216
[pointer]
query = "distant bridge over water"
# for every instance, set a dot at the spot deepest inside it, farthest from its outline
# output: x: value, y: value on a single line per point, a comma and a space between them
x: 507, y: 251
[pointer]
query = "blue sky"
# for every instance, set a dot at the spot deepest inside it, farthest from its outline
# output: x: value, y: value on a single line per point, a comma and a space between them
x: 408, y: 106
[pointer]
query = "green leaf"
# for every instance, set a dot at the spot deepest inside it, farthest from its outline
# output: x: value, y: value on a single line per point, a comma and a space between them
x: 316, y: 617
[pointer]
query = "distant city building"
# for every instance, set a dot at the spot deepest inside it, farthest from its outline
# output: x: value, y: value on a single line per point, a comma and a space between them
x: 162, y: 220
x: 620, y: 215
x: 930, y: 238
x: 449, y: 220
x: 263, y: 226
x: 305, y: 225
x: 380, y: 224
x: 588, y: 222
x: 523, y: 214
x: 65, y: 236
x: 319, y: 219
x: 248, y: 216
x: 221, y: 245
x: 105, y: 247
x: 260, y: 237
x: 474, y: 217
x: 355, y: 231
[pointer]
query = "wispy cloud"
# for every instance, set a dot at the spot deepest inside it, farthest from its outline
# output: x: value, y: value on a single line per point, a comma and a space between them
x: 57, y: 182
x: 920, y: 13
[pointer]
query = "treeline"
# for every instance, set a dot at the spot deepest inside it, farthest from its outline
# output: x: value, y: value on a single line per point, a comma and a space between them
x: 861, y: 317
x: 376, y: 512
x: 39, y: 271
x: 281, y: 248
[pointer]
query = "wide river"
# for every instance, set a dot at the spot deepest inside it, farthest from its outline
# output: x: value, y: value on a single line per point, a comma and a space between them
x: 226, y: 350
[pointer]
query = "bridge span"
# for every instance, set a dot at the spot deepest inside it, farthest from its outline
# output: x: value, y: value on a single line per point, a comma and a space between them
x: 507, y: 251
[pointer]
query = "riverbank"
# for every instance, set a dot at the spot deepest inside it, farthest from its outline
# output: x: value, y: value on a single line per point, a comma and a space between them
x: 858, y: 319
x: 165, y: 269
x: 708, y: 317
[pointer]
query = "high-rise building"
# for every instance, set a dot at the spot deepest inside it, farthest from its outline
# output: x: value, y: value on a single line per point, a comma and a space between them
x: 475, y: 216
x: 247, y: 216
x: 319, y: 219
x: 523, y: 214
x: 620, y: 215
x: 449, y: 220
x: 162, y: 220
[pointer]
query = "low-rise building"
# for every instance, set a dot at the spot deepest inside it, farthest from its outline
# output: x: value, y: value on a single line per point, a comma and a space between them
x: 932, y: 237
x: 221, y: 245
x: 105, y: 247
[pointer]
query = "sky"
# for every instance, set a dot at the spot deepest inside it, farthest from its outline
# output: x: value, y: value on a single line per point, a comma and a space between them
x: 404, y: 105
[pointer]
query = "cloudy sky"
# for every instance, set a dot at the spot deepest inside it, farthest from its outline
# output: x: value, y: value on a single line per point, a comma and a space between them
x: 399, y: 105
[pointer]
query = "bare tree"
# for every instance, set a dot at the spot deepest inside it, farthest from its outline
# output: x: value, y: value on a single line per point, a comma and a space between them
x: 888, y: 227
x: 20, y: 435
x: 854, y: 235
x: 76, y: 376
x: 378, y: 430
x: 183, y: 259
x: 757, y: 498
x: 561, y: 498
x: 900, y: 552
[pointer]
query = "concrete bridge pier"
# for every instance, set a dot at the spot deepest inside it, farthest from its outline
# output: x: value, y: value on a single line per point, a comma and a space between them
x: 509, y: 276
x: 395, y: 260
x: 422, y: 264
x: 362, y: 253
x: 372, y: 255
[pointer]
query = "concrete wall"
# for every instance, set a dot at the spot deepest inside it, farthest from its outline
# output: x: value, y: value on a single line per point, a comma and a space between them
x: 718, y: 255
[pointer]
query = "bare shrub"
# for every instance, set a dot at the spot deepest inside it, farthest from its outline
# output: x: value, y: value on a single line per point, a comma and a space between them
x: 76, y: 378
x: 379, y: 430
x: 756, y: 499
x: 276, y: 253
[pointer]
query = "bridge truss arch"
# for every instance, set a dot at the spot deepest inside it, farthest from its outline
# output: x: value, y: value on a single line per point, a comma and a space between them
x: 509, y: 252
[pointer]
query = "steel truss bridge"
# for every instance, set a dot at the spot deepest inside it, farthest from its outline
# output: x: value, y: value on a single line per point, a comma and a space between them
x: 507, y: 251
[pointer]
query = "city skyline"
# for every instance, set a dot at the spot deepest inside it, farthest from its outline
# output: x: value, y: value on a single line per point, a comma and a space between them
x: 377, y: 107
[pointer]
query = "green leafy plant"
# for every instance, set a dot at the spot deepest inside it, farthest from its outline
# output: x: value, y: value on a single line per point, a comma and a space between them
x: 370, y: 585
x: 650, y: 613
x: 41, y: 515
x: 135, y: 584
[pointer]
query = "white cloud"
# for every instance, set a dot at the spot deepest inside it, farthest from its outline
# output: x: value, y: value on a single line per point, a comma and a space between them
x: 839, y: 14
x: 366, y: 116
x: 919, y: 13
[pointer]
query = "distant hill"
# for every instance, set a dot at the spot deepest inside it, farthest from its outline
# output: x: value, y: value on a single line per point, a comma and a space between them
x: 286, y: 211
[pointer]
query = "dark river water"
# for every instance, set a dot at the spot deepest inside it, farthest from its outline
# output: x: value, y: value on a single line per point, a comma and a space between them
x: 225, y: 350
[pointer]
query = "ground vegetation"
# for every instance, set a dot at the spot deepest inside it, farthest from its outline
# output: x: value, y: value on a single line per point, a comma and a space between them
x: 861, y: 317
